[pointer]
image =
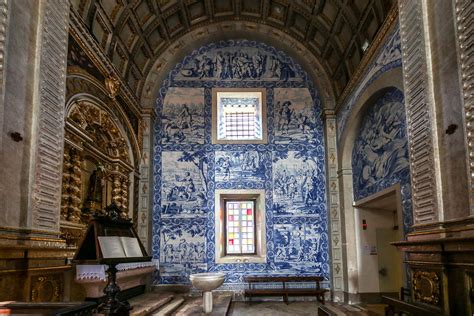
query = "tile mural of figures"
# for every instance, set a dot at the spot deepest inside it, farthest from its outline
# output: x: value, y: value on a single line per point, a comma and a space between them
x: 182, y: 247
x: 297, y: 242
x: 184, y: 184
x: 240, y: 166
x: 183, y: 116
x: 189, y: 167
x: 297, y: 183
x: 380, y: 154
x: 230, y: 64
x: 294, y: 116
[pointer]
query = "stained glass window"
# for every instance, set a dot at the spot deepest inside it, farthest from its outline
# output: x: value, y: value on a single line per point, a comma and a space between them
x: 240, y: 227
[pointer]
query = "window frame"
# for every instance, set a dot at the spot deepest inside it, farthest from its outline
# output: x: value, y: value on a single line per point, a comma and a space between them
x: 254, y: 200
x: 260, y: 222
x: 215, y: 123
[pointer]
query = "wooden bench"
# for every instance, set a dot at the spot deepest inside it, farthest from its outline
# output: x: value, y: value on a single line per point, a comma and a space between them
x: 398, y: 307
x: 257, y: 287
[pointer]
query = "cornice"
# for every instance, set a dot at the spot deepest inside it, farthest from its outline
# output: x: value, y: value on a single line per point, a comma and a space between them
x: 100, y: 60
x: 368, y: 57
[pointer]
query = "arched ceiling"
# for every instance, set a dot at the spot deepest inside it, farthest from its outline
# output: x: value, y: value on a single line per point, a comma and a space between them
x: 133, y: 34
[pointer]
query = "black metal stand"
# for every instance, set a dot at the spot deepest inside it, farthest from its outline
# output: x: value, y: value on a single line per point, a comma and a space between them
x: 112, y: 306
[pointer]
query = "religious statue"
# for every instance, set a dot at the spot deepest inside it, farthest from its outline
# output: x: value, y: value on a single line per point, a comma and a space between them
x: 95, y: 188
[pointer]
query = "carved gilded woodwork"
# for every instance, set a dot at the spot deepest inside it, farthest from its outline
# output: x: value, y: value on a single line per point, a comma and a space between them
x: 47, y: 288
x: 112, y: 84
x: 102, y: 129
x: 71, y: 186
x: 94, y: 141
x: 426, y: 287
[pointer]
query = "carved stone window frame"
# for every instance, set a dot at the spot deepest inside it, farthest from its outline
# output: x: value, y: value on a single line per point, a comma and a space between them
x: 260, y: 226
x: 263, y: 102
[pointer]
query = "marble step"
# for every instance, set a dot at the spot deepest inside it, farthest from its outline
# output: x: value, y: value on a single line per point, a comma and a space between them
x: 148, y: 303
x: 169, y: 308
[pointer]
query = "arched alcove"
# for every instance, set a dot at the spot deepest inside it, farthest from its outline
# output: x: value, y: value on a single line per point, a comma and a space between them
x: 100, y: 156
x: 293, y: 159
x: 367, y: 203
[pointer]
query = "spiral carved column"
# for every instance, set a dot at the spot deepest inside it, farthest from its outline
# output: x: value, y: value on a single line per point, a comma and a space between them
x: 71, y: 187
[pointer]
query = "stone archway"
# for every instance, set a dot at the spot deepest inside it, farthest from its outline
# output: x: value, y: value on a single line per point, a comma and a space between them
x: 386, y: 81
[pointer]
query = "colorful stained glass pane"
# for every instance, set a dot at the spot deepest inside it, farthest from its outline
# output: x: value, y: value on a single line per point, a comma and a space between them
x: 240, y: 226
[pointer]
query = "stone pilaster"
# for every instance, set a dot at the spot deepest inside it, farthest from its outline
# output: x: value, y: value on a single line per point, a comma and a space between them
x: 145, y: 183
x: 421, y: 114
x: 3, y: 41
x: 465, y: 43
x: 49, y: 121
x: 334, y: 208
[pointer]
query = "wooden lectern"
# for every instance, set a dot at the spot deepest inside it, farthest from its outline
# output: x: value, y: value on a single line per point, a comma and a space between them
x: 111, y: 240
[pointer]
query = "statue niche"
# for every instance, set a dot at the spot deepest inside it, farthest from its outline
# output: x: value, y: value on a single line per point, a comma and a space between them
x: 95, y: 190
x: 97, y: 167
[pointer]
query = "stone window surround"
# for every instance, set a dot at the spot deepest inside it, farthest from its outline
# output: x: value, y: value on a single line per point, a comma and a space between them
x: 263, y: 92
x: 260, y: 247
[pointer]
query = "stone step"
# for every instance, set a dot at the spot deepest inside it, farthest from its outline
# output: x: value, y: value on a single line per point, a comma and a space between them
x: 169, y: 308
x: 148, y: 303
x: 193, y: 306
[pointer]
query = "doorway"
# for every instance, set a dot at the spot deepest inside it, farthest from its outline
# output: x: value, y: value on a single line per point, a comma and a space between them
x: 379, y: 223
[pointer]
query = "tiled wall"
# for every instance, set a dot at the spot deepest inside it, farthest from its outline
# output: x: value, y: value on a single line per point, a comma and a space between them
x: 188, y: 167
x: 380, y: 152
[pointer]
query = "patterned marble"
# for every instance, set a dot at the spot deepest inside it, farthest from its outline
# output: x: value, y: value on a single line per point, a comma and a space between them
x: 188, y: 171
x: 380, y: 152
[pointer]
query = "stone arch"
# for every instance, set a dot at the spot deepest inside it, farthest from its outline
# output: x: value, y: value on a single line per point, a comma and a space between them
x: 237, y: 30
x: 388, y: 80
x: 85, y: 87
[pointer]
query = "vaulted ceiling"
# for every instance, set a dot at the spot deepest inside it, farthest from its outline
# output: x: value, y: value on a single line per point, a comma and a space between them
x: 133, y: 34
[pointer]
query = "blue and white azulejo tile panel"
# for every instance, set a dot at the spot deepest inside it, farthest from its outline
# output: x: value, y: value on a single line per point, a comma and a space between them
x: 298, y: 183
x: 184, y: 184
x: 183, y: 116
x: 294, y: 116
x: 380, y: 152
x: 188, y: 168
x: 182, y: 249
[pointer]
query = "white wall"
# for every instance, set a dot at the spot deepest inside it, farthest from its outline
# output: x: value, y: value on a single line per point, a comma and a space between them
x: 378, y: 222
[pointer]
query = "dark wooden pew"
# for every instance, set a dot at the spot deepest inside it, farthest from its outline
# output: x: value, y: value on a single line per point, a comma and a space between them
x: 285, y: 290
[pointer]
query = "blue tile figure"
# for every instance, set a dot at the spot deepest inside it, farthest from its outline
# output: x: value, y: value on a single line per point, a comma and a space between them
x: 294, y: 116
x: 183, y: 116
x: 183, y: 184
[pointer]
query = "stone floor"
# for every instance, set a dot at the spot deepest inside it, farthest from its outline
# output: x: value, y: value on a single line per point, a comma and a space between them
x: 175, y: 304
x: 300, y: 308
